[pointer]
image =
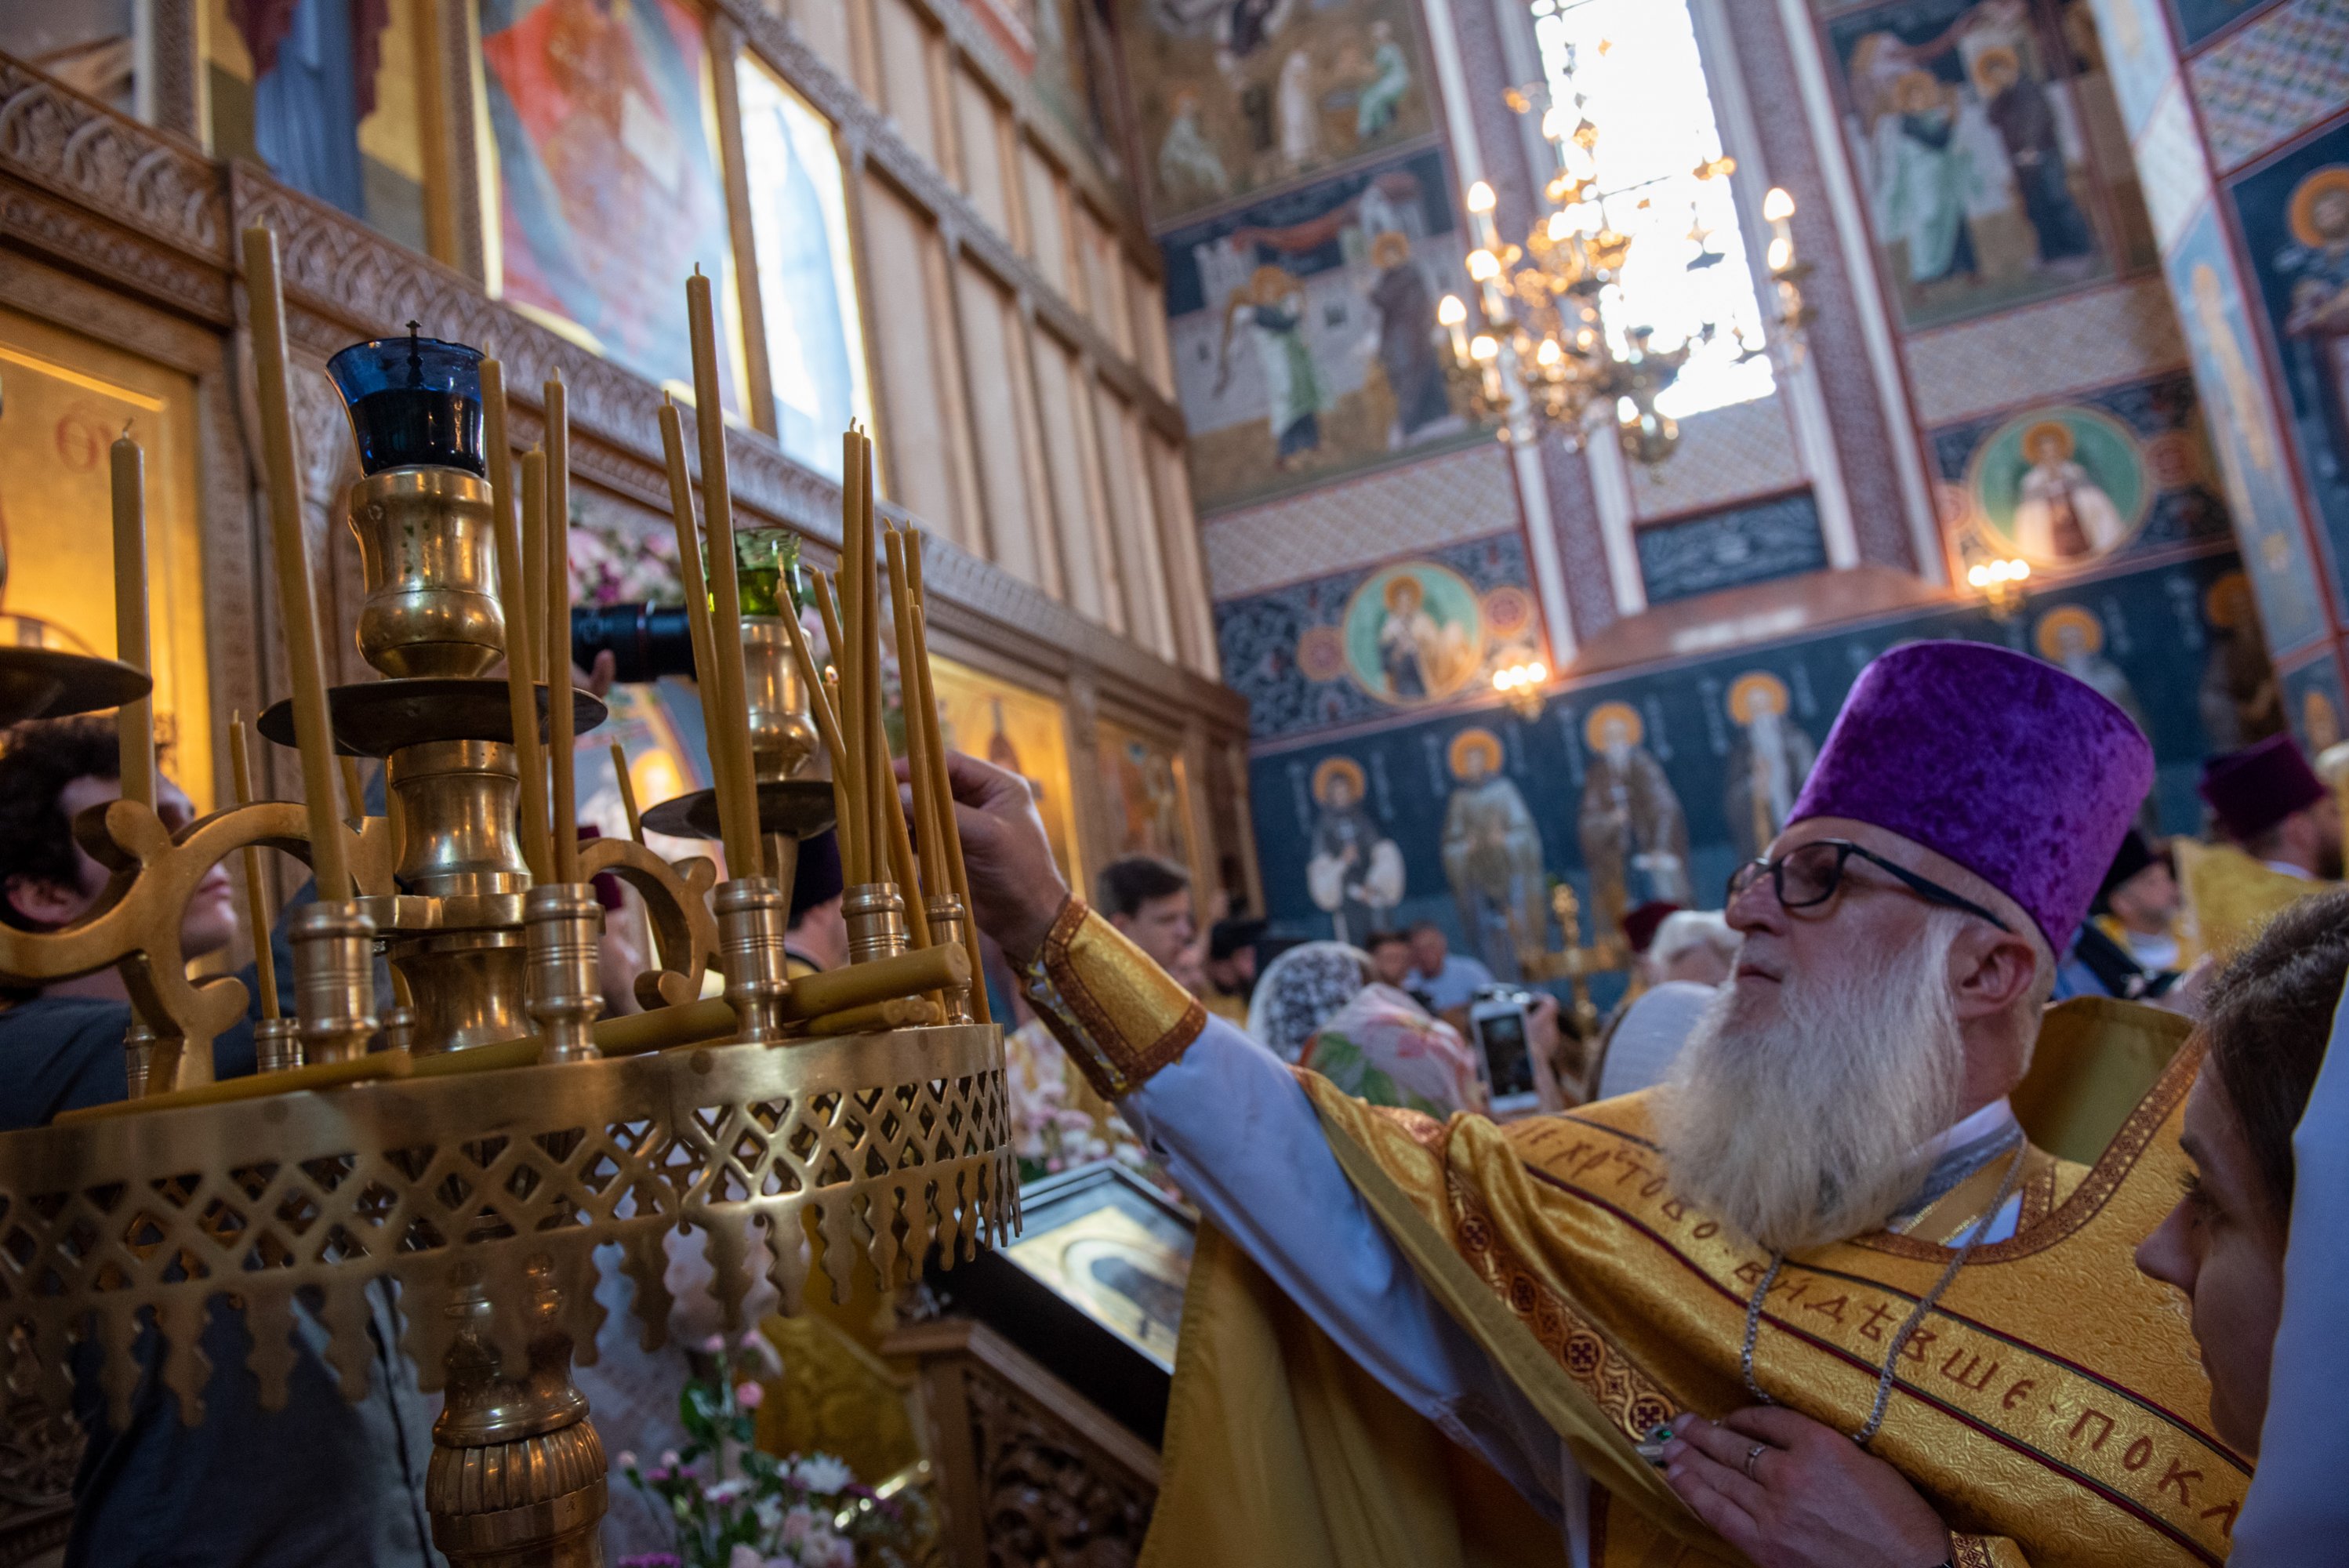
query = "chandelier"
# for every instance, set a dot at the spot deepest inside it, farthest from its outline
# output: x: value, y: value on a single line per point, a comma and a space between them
x: 1549, y: 349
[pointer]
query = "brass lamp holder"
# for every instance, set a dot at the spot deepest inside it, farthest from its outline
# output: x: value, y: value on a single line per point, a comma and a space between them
x: 483, y: 1178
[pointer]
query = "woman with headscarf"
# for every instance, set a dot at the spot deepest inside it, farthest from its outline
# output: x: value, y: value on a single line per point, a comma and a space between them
x: 1318, y: 1006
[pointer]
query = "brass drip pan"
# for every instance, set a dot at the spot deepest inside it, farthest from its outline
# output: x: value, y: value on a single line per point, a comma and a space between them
x: 375, y: 719
x: 795, y: 808
x: 893, y: 1142
x: 48, y: 683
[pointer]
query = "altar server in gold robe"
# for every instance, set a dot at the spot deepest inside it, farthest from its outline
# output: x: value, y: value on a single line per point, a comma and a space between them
x: 2283, y: 832
x: 1831, y: 1207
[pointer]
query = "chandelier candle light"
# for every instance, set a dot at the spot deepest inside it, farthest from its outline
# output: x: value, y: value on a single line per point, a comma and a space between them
x: 1548, y: 346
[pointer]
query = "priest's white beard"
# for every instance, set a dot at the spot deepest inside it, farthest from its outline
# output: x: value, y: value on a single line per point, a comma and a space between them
x: 1805, y: 1124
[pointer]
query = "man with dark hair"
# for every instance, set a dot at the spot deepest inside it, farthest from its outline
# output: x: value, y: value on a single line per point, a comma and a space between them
x: 1149, y: 900
x: 1232, y: 967
x: 1390, y: 953
x: 319, y: 1481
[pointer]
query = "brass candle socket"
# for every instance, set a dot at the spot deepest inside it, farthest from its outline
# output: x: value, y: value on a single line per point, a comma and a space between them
x: 782, y: 734
x: 876, y: 913
x: 945, y: 916
x: 334, y: 980
x: 753, y: 912
x: 139, y: 1055
x: 428, y: 548
x: 563, y: 922
x: 276, y: 1045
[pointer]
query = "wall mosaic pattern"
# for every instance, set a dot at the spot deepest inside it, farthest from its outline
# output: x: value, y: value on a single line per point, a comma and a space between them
x: 1726, y: 454
x: 2264, y: 84
x: 1395, y: 512
x: 1756, y: 542
x: 2049, y: 349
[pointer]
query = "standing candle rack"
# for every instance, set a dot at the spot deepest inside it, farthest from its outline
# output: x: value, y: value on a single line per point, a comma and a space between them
x: 480, y: 1151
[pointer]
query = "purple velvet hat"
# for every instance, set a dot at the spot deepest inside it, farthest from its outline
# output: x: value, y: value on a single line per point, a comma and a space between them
x: 2252, y: 790
x: 2015, y: 770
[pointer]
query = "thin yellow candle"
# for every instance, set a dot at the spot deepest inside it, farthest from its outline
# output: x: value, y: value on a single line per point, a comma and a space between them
x: 848, y: 779
x: 563, y: 812
x: 918, y: 751
x: 819, y: 706
x: 312, y: 729
x: 627, y: 792
x: 688, y: 547
x: 135, y: 723
x: 730, y: 745
x: 522, y: 698
x: 256, y: 901
x: 533, y: 567
x: 950, y: 839
x: 354, y: 791
x: 901, y: 850
x: 881, y: 780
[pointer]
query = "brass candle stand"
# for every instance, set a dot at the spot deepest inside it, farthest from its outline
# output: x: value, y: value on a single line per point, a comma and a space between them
x: 481, y: 1134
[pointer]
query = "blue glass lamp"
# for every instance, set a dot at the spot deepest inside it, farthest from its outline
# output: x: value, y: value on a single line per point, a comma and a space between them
x: 412, y: 401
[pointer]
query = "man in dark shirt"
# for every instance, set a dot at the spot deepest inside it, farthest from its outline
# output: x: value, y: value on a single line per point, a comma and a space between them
x: 320, y: 1481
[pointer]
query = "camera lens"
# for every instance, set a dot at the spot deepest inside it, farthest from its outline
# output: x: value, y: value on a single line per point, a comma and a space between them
x: 646, y: 641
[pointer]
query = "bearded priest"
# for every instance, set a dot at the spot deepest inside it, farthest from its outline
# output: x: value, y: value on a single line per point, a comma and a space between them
x: 1832, y: 1208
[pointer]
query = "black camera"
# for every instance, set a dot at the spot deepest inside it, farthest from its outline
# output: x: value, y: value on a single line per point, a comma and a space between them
x: 646, y: 641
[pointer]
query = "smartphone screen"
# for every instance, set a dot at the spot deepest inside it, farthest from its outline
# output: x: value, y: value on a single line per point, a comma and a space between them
x: 1508, y: 1061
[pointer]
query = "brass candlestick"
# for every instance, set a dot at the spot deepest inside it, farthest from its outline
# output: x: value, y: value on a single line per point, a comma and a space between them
x: 876, y: 913
x: 334, y: 980
x: 276, y: 1045
x: 516, y: 1478
x: 945, y: 915
x: 563, y: 922
x: 753, y: 914
x: 138, y: 1053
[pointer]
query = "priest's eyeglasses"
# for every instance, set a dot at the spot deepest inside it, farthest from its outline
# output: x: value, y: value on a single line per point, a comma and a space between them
x: 1808, y: 875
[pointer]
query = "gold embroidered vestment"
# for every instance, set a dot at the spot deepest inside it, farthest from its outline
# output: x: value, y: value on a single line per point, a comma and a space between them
x: 2052, y: 1407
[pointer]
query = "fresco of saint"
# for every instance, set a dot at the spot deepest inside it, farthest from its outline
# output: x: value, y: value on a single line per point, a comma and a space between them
x: 1493, y: 857
x: 1634, y: 833
x: 1356, y: 874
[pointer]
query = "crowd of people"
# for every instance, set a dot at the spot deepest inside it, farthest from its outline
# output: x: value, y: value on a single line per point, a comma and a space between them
x: 1780, y: 1263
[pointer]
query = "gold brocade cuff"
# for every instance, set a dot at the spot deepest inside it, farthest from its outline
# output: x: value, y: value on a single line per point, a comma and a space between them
x: 1119, y: 1016
x: 1986, y: 1552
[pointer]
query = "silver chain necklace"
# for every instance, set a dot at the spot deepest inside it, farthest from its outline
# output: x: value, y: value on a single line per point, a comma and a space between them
x: 1867, y: 1433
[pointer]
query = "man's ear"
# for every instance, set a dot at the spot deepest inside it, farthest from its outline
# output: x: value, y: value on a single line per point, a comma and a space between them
x: 1991, y: 970
x: 43, y: 902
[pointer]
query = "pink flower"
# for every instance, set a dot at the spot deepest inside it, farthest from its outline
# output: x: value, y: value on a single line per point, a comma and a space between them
x: 750, y: 1395
x: 714, y: 1346
x: 627, y: 1460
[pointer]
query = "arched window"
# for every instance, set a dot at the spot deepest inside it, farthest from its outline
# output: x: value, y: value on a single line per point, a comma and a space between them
x: 1635, y: 69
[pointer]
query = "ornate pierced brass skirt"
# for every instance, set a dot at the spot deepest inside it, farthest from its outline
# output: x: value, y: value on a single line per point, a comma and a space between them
x: 495, y: 1186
